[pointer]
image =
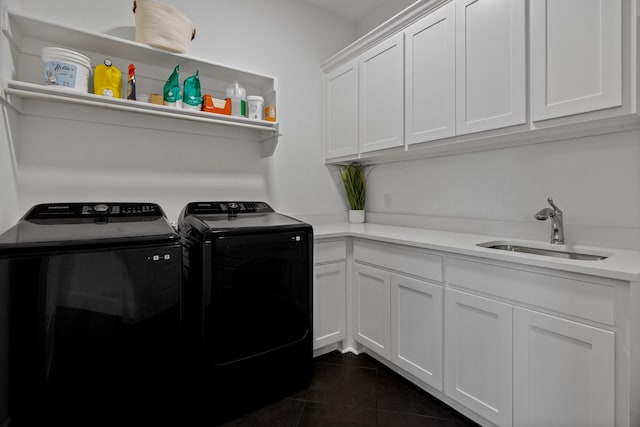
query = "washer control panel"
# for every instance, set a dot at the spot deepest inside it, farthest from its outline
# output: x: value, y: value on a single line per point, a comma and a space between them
x: 92, y: 210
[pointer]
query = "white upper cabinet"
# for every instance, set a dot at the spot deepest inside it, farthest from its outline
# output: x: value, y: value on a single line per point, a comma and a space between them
x: 476, y: 74
x: 341, y: 114
x: 430, y: 77
x: 576, y: 56
x: 381, y: 71
x: 490, y: 64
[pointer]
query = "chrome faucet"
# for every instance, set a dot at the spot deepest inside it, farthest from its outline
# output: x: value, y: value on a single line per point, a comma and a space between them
x: 555, y: 215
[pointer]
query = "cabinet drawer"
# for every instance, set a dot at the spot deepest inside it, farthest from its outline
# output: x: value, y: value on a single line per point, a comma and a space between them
x: 399, y: 258
x: 575, y: 297
x: 332, y: 250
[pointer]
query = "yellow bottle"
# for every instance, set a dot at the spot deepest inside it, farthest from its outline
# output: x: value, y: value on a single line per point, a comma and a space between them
x: 107, y: 80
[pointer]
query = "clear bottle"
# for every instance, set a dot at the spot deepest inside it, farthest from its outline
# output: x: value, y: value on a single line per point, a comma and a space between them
x: 238, y: 96
x: 107, y: 80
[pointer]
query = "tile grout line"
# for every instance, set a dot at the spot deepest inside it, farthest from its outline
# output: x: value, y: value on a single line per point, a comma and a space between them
x: 304, y: 405
x: 376, y: 390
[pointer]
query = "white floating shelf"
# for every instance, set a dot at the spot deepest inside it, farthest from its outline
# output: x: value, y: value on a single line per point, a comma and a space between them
x: 54, y: 93
x: 27, y: 35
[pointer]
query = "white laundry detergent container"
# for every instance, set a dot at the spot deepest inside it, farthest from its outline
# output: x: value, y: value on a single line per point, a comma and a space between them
x: 66, y: 68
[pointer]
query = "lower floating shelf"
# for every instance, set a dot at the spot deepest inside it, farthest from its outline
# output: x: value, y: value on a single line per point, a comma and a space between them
x: 268, y: 130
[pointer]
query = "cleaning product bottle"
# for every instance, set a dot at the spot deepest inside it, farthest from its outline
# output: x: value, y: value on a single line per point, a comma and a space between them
x: 192, y: 98
x: 238, y: 96
x: 172, y: 94
x: 131, y: 83
x: 107, y: 80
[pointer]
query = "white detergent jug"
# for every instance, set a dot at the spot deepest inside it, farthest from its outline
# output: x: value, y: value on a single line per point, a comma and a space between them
x: 238, y: 96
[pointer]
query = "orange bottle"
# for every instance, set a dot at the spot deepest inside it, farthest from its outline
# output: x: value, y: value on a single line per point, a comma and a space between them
x: 270, y: 113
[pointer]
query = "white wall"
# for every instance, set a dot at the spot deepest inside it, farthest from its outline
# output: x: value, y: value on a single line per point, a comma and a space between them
x: 8, y: 215
x: 594, y: 180
x: 381, y: 14
x: 8, y: 192
x: 67, y: 160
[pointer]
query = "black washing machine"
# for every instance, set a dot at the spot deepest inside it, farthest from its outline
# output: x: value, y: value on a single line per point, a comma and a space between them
x: 94, y: 315
x: 247, y: 305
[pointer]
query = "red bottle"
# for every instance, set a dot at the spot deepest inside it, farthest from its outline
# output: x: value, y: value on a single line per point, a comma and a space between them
x: 131, y: 83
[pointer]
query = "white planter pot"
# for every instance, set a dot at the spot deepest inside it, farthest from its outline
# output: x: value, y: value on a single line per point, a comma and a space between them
x: 356, y: 216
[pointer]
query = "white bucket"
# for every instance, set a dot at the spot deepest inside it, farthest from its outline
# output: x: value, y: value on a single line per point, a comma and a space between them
x: 254, y: 107
x: 66, y: 68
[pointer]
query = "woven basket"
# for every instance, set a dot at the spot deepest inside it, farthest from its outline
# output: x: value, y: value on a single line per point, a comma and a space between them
x: 162, y: 26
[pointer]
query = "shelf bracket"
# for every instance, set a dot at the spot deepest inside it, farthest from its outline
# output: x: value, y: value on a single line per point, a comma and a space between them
x: 4, y: 24
x: 269, y: 145
x: 6, y: 28
x: 7, y: 102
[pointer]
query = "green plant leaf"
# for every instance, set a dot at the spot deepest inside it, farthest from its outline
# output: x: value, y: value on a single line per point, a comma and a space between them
x: 355, y: 185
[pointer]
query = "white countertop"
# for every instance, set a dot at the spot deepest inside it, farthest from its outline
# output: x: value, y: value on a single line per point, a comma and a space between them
x: 621, y: 264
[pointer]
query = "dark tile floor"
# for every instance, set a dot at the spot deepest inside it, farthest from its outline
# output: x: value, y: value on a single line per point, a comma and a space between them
x: 350, y: 390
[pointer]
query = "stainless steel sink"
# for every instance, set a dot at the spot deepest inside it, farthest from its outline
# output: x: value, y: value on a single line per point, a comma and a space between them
x: 556, y: 253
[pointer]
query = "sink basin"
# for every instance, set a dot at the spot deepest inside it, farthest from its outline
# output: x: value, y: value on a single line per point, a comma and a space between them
x: 552, y: 252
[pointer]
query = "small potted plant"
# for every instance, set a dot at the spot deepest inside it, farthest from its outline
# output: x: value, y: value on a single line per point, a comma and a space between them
x: 355, y: 185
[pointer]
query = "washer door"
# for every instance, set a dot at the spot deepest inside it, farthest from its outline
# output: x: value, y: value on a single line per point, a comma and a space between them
x: 94, y: 334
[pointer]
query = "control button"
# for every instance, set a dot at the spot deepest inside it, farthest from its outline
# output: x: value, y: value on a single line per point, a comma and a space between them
x: 101, y: 208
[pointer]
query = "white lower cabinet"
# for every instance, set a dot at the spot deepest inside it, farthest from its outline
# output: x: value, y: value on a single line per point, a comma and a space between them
x: 329, y: 293
x: 416, y: 328
x: 371, y: 308
x: 524, y: 367
x: 515, y: 345
x: 563, y: 372
x: 478, y: 355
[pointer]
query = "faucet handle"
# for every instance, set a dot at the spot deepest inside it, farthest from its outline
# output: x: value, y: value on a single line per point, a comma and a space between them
x: 553, y: 205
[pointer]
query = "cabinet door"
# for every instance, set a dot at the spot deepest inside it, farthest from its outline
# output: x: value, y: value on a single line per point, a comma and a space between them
x: 575, y: 56
x: 416, y: 328
x: 478, y: 358
x: 490, y: 64
x: 430, y: 91
x: 382, y: 95
x: 371, y: 305
x: 341, y: 111
x: 563, y: 372
x: 329, y: 296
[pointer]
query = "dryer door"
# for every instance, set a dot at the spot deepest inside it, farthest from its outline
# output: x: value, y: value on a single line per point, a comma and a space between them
x: 259, y: 296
